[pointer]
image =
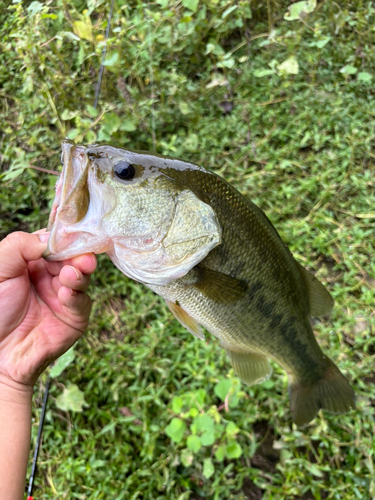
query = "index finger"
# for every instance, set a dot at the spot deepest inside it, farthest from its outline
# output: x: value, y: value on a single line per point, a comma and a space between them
x: 85, y: 263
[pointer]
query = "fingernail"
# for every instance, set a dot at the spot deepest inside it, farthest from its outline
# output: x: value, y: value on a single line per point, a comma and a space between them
x: 79, y: 276
x: 44, y: 237
x: 73, y: 292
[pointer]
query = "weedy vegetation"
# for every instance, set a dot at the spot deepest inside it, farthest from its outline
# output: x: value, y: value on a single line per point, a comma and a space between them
x: 281, y: 104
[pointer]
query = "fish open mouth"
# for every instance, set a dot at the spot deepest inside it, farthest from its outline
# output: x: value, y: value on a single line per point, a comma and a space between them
x: 72, y: 197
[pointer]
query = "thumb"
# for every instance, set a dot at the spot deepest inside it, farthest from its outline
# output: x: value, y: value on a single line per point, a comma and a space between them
x: 17, y: 250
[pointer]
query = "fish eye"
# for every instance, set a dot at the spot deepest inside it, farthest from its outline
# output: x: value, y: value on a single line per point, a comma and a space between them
x: 125, y: 171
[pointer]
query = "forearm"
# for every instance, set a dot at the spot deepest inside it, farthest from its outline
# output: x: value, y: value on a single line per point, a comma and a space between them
x: 15, y: 429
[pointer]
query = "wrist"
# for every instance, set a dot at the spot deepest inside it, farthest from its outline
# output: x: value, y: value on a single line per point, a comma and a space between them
x: 14, y: 392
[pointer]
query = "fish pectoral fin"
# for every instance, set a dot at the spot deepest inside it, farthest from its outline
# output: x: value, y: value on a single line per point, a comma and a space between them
x: 332, y: 392
x: 218, y: 287
x: 251, y: 368
x: 321, y: 302
x: 187, y: 321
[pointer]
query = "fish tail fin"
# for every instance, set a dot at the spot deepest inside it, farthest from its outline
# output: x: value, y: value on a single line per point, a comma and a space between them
x: 332, y: 392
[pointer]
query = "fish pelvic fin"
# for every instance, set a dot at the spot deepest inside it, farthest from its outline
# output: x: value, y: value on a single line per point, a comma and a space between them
x: 250, y: 367
x: 320, y: 300
x: 332, y: 393
x: 187, y: 321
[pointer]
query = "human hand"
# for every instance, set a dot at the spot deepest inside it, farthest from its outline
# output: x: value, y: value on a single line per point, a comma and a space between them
x: 43, y: 307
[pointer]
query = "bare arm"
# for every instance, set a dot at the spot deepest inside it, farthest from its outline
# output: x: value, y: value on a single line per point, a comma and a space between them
x: 43, y: 312
x: 15, y: 418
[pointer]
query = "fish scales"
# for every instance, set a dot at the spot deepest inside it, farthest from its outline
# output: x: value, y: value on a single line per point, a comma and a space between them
x: 210, y: 253
x: 273, y: 311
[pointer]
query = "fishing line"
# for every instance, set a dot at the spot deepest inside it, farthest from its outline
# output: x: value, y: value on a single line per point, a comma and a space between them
x: 104, y: 52
x: 38, y: 439
x: 46, y: 393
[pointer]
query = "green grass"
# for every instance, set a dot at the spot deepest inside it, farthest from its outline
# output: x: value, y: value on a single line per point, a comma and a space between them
x: 298, y: 145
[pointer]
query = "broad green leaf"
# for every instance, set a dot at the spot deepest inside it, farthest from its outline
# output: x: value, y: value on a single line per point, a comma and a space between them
x: 222, y: 388
x: 127, y: 126
x: 285, y: 455
x: 289, y: 66
x: 90, y: 137
x: 68, y: 114
x: 93, y: 112
x: 214, y: 48
x: 177, y: 404
x: 28, y: 85
x: 296, y: 10
x: 233, y: 449
x: 363, y: 76
x: 194, y: 443
x: 323, y: 42
x: 111, y: 123
x: 187, y: 457
x: 220, y: 453
x: 195, y: 399
x: 193, y: 412
x: 62, y: 363
x: 231, y: 429
x: 184, y: 107
x: 228, y: 63
x: 162, y: 3
x: 175, y: 430
x: 199, y: 397
x: 208, y: 438
x: 208, y: 468
x: 12, y: 174
x: 72, y: 134
x: 71, y: 399
x: 203, y: 423
x: 83, y: 29
x: 191, y: 4
x: 34, y: 8
x: 348, y: 70
x: 268, y: 384
x: 111, y: 59
x: 259, y: 73
x: 227, y: 387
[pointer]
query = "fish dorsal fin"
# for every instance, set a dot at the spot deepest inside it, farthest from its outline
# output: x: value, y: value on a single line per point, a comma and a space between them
x: 218, y: 287
x: 187, y: 321
x: 252, y: 368
x: 321, y: 302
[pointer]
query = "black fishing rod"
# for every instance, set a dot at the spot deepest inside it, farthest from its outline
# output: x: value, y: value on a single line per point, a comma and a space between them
x: 48, y: 383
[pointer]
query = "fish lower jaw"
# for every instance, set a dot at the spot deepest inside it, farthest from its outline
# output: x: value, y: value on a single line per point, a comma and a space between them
x: 66, y: 244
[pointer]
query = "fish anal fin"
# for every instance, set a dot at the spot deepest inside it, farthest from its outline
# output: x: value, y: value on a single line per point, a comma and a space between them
x: 218, y: 287
x: 332, y: 393
x: 250, y: 367
x: 187, y: 321
x: 321, y: 302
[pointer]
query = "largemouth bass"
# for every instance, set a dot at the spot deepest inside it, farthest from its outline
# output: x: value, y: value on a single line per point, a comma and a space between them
x: 210, y: 253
